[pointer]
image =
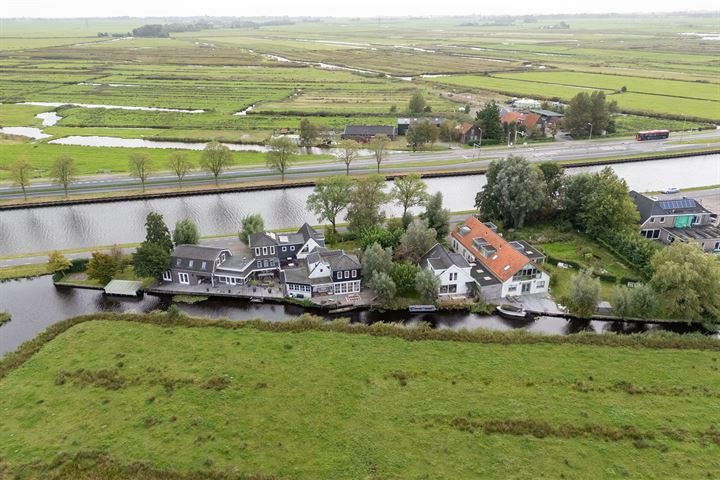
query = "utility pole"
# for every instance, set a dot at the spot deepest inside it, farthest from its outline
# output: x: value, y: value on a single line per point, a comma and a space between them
x: 682, y: 132
x: 591, y: 127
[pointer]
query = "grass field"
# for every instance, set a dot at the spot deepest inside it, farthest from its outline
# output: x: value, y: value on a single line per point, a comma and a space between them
x: 320, y: 405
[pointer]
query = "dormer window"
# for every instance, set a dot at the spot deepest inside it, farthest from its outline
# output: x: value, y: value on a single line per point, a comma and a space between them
x: 257, y: 251
x: 265, y: 250
x: 652, y: 219
x: 662, y: 219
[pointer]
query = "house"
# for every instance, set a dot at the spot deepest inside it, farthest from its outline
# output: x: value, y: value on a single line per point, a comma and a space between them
x: 451, y: 269
x: 683, y: 219
x: 364, y: 133
x: 499, y: 267
x: 195, y: 264
x: 324, y: 272
x: 529, y: 120
x: 467, y: 132
x: 286, y: 248
x: 403, y: 124
x: 548, y: 116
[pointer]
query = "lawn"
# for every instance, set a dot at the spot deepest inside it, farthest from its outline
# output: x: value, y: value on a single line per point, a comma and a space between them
x: 21, y: 271
x: 322, y: 405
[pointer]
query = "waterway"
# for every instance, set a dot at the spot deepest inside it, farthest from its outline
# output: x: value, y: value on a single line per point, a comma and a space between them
x: 42, y: 229
x: 36, y: 303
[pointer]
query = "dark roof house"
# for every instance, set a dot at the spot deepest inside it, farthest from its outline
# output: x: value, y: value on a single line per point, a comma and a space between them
x: 364, y: 133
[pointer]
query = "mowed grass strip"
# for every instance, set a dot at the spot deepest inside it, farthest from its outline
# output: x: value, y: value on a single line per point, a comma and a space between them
x: 317, y: 405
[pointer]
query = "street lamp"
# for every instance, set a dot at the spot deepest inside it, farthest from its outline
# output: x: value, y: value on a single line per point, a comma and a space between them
x: 682, y: 132
x: 591, y: 127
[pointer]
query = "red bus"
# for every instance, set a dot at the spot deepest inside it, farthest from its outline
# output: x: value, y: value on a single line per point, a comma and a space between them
x: 652, y: 135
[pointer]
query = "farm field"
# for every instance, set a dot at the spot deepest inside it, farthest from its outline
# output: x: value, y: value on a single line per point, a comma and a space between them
x: 309, y: 405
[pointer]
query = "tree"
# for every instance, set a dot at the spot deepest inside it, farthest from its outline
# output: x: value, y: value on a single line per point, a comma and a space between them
x: 606, y: 205
x: 157, y: 233
x: 63, y: 171
x: 403, y: 275
x: 250, y: 224
x: 437, y: 217
x: 281, y: 155
x: 121, y: 260
x: 141, y: 166
x: 20, y: 173
x: 588, y: 111
x: 308, y: 133
x: 101, y: 267
x: 186, y: 232
x: 366, y: 198
x: 408, y: 191
x: 378, y: 145
x: 686, y: 281
x: 330, y: 196
x: 427, y: 285
x: 417, y: 103
x: 488, y: 120
x: 448, y: 131
x: 180, y: 164
x: 421, y: 133
x: 583, y: 294
x: 416, y: 241
x: 553, y: 175
x: 386, y: 237
x: 637, y: 302
x: 514, y: 189
x: 150, y: 260
x: 57, y: 262
x: 383, y: 286
x: 347, y: 152
x: 376, y: 259
x: 215, y: 158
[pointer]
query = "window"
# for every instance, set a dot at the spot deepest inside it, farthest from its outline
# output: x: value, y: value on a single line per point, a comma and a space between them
x: 540, y: 284
x: 203, y: 266
x: 292, y: 248
x: 190, y: 263
x: 717, y: 245
x: 452, y: 288
x: 178, y: 262
x: 264, y: 250
x: 167, y: 276
x: 222, y: 257
x: 347, y: 274
x: 272, y: 250
x: 354, y: 274
x: 265, y: 263
x: 184, y: 278
x: 652, y: 220
x: 444, y: 289
x: 259, y: 263
x: 662, y: 219
x: 284, y: 249
x: 512, y: 288
x: 257, y: 251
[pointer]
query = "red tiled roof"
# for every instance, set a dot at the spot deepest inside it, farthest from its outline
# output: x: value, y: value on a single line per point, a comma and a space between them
x: 510, y: 117
x: 465, y: 128
x: 505, y: 262
x: 530, y: 120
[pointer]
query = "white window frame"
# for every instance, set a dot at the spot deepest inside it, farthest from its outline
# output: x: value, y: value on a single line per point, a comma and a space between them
x: 292, y: 248
x: 347, y: 274
x: 203, y: 266
x: 167, y: 276
x: 257, y: 251
x: 272, y: 250
x: 540, y: 284
x: 184, y: 276
x: 190, y: 263
x: 265, y: 250
x: 284, y: 249
x: 354, y: 274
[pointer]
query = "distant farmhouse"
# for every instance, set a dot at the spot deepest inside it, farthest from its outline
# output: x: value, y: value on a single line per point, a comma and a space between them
x: 365, y: 133
x: 499, y: 268
x: 403, y: 124
x: 683, y: 219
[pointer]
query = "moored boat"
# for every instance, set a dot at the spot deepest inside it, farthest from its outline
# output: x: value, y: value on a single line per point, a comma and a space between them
x: 512, y: 311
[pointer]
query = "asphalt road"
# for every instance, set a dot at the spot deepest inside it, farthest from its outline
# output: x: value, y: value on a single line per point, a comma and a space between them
x: 396, y: 162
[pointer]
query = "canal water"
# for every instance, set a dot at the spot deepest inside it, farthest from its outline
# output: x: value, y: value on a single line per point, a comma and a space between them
x: 42, y: 229
x: 36, y: 303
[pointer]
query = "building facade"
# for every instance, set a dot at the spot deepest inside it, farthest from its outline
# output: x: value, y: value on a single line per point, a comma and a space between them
x: 451, y: 269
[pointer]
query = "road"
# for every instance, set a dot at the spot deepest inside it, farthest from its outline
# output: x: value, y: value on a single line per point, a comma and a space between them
x: 395, y: 163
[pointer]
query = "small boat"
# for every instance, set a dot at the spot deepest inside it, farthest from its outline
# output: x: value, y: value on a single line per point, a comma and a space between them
x: 256, y: 299
x: 348, y: 308
x: 423, y: 308
x: 511, y: 311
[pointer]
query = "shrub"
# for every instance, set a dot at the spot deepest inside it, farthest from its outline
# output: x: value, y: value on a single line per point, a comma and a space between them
x: 403, y: 274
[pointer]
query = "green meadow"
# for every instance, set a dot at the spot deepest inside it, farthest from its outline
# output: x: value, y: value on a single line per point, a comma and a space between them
x: 111, y: 398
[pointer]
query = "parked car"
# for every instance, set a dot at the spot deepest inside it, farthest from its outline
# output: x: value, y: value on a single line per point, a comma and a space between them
x: 671, y: 190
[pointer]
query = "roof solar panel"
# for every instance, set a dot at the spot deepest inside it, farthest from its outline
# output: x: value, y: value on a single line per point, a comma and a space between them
x: 677, y: 204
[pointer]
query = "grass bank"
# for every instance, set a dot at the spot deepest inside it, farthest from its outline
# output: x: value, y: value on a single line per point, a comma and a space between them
x: 310, y: 400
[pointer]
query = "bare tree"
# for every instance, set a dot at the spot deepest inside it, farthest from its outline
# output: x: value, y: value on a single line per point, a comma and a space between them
x: 281, y: 154
x: 63, y: 172
x: 20, y: 173
x: 140, y: 166
x: 378, y: 145
x: 215, y: 158
x: 180, y: 164
x: 347, y: 151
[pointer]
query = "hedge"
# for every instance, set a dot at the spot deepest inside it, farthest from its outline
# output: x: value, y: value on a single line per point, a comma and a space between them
x: 76, y: 265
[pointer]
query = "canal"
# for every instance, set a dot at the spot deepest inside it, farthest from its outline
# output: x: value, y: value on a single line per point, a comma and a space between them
x: 42, y: 229
x: 36, y: 304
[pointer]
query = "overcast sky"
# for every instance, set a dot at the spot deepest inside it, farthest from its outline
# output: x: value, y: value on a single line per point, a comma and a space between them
x: 336, y: 8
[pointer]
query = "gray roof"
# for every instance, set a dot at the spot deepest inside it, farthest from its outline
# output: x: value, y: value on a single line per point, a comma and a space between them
x: 441, y: 259
x: 653, y: 208
x: 291, y: 238
x: 309, y: 232
x: 299, y: 275
x: 409, y: 121
x: 369, y: 130
x: 546, y: 113
x: 483, y: 276
x: 198, y: 252
x: 261, y: 239
x: 526, y: 249
x: 339, y: 260
x: 698, y: 233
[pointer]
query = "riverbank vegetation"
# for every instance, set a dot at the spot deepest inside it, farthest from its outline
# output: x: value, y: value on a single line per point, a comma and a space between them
x: 4, y: 318
x: 191, y: 412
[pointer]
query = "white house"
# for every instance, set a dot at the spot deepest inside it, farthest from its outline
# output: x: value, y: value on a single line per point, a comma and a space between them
x: 499, y: 268
x: 451, y: 269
